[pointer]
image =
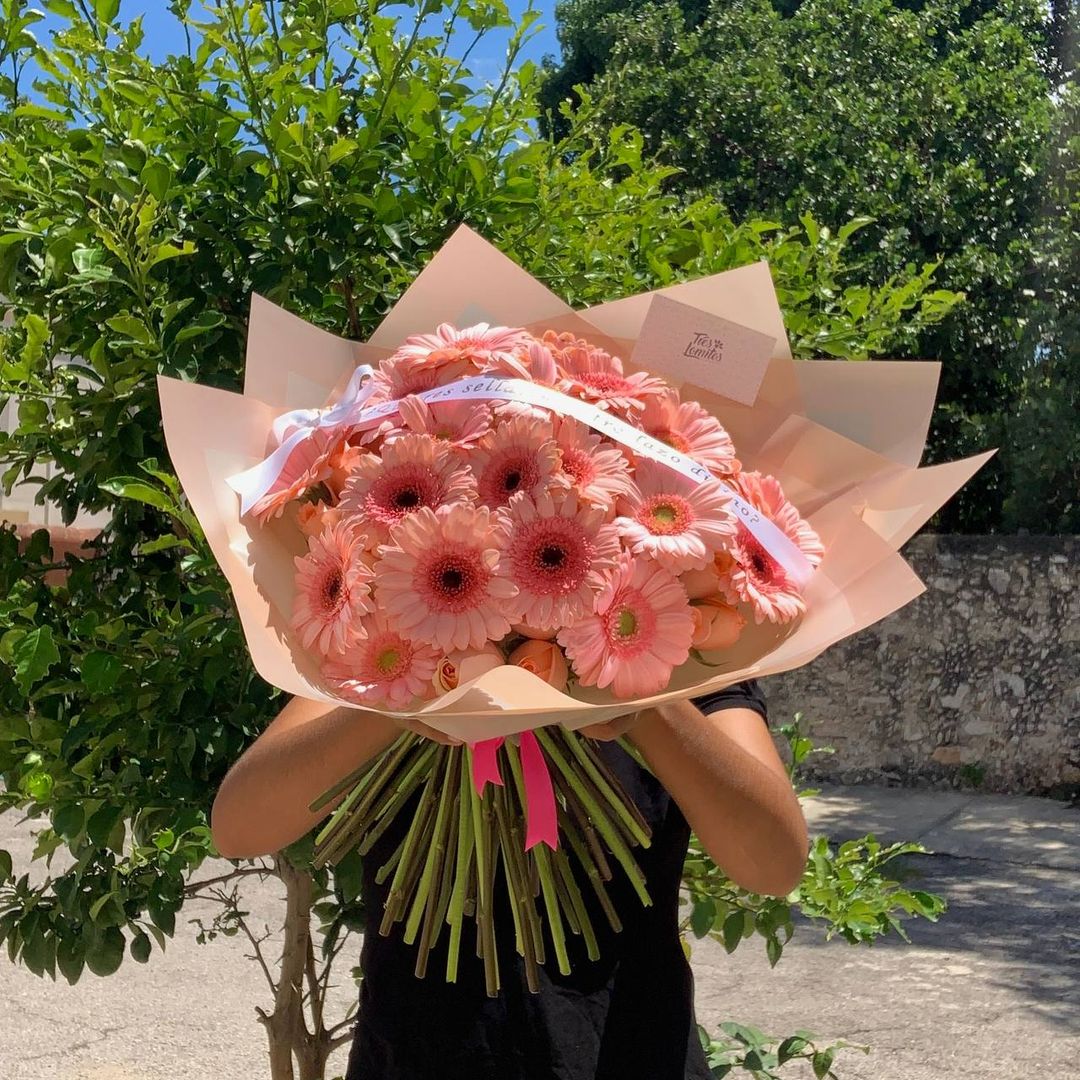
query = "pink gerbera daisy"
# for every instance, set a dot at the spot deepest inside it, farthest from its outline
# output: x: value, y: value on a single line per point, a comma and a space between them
x: 412, y: 471
x: 557, y: 549
x: 383, y: 668
x: 756, y: 577
x: 459, y: 423
x: 688, y: 428
x: 401, y: 376
x: 332, y: 589
x: 478, y: 346
x: 596, y: 468
x: 438, y: 578
x: 678, y: 521
x: 597, y: 376
x: 308, y: 464
x: 639, y: 633
x: 518, y: 455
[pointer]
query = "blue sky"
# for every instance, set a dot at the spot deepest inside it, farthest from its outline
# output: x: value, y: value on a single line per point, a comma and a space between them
x: 163, y: 34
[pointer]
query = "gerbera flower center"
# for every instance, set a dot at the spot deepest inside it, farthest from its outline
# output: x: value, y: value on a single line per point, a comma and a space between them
x: 576, y: 465
x: 516, y: 470
x: 604, y: 382
x: 455, y: 581
x: 757, y: 561
x: 333, y: 588
x: 666, y: 515
x: 400, y: 491
x: 452, y: 579
x: 671, y: 438
x: 387, y: 660
x: 553, y: 556
x: 629, y: 624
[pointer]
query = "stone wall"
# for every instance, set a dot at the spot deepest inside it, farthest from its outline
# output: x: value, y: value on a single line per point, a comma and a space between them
x: 976, y: 682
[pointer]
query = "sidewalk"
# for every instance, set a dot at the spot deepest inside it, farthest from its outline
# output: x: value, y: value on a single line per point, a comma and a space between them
x: 991, y: 992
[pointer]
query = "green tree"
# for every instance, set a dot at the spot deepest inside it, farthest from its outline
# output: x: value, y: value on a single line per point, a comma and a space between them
x: 317, y: 153
x: 936, y: 117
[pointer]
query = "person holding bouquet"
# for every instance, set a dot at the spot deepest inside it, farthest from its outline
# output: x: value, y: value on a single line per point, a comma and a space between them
x: 712, y: 767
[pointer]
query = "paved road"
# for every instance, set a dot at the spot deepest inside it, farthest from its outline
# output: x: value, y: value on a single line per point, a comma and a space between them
x: 992, y: 992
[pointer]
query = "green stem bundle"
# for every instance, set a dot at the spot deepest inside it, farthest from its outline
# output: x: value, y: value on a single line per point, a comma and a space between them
x: 447, y: 867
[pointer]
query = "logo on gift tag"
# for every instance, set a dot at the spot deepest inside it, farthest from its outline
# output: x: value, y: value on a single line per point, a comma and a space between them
x: 705, y: 347
x: 688, y: 345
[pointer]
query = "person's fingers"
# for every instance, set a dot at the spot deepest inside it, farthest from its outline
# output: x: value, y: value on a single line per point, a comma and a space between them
x: 418, y: 727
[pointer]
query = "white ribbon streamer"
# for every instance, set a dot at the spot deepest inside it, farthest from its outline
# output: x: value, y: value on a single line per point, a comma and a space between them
x: 349, y: 411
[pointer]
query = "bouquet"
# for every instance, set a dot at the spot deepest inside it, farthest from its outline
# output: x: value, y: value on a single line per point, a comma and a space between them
x: 512, y: 527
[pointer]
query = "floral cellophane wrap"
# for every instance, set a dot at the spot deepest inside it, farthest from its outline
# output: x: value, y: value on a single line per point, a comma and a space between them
x: 843, y: 438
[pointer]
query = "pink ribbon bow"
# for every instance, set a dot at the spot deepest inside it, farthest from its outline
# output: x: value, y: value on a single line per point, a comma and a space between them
x: 541, y: 821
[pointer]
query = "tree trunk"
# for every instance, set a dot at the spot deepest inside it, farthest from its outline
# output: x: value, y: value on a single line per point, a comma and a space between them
x: 297, y: 1052
x: 286, y: 1030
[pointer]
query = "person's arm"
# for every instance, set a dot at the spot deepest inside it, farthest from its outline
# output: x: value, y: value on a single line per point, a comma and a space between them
x: 731, y: 785
x: 262, y: 804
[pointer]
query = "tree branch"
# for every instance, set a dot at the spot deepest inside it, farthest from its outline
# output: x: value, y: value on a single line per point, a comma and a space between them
x: 240, y: 871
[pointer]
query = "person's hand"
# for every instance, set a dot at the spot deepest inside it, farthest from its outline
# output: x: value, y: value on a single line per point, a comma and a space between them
x: 418, y: 727
x: 611, y: 729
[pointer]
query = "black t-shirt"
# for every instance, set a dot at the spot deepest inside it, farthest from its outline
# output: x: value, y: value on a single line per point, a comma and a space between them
x: 627, y: 1016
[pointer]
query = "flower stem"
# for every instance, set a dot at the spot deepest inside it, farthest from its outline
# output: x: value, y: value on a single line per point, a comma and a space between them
x: 540, y: 855
x: 609, y: 787
x: 521, y: 901
x: 395, y: 899
x: 632, y: 817
x: 610, y: 834
x: 585, y: 926
x: 463, y: 864
x: 428, y: 897
x: 383, y: 814
x: 485, y: 857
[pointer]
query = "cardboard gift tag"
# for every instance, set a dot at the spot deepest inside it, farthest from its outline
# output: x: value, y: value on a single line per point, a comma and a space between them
x: 689, y: 345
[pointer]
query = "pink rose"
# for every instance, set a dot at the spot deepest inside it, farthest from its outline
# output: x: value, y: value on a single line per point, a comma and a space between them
x: 700, y: 583
x: 716, y: 625
x: 531, y: 632
x: 313, y: 517
x: 544, y: 659
x: 462, y: 665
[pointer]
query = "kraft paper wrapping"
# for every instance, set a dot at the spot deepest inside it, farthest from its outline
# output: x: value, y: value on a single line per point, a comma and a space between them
x: 843, y: 438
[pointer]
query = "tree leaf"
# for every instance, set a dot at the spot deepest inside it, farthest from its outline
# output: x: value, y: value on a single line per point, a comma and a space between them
x: 70, y: 959
x: 203, y: 323
x: 37, y: 333
x: 132, y: 327
x: 106, y: 10
x: 791, y: 1047
x: 822, y: 1063
x: 105, y: 950
x: 129, y: 487
x: 100, y: 671
x: 33, y: 655
x: 140, y: 947
x: 702, y: 916
x: 733, y: 931
x: 40, y: 112
x: 68, y: 821
x: 157, y: 178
